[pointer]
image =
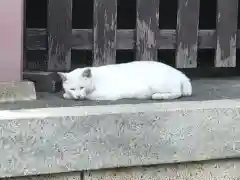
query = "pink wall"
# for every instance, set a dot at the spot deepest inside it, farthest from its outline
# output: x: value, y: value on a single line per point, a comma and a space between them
x: 11, y: 39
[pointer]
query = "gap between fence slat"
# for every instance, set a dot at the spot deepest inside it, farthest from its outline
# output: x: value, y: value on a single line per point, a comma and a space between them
x: 227, y: 17
x: 187, y: 33
x: 104, y: 32
x: 59, y: 35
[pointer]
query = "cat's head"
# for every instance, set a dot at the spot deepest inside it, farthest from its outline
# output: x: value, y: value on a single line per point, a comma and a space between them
x: 77, y: 84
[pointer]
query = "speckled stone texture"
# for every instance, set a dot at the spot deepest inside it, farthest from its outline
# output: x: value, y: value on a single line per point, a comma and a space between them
x: 17, y: 91
x: 53, y: 140
x: 223, y: 170
x: 214, y: 170
x: 62, y: 176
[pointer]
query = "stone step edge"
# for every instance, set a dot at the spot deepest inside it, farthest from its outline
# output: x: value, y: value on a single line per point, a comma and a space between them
x: 17, y: 91
x: 69, y: 139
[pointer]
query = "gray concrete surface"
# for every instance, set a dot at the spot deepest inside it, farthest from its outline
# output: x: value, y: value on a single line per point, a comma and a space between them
x: 89, y: 135
x: 17, y: 91
x: 215, y: 170
x: 203, y: 89
x: 61, y: 176
x: 54, y: 140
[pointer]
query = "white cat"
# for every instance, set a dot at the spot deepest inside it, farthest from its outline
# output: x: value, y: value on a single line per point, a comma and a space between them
x: 138, y: 80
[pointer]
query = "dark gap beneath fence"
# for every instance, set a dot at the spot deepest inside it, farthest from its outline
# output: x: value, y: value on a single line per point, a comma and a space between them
x: 81, y: 58
x: 167, y: 56
x: 205, y: 58
x: 124, y: 56
x: 238, y: 59
x: 206, y: 66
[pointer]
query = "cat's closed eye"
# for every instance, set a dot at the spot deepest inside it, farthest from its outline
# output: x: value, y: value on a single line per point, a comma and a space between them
x: 73, y: 89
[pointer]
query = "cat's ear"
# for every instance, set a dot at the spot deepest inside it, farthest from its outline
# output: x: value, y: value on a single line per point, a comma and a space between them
x: 62, y: 75
x: 87, y: 73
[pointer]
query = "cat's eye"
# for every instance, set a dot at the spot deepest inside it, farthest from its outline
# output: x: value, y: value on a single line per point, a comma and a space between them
x: 81, y: 88
x: 72, y: 89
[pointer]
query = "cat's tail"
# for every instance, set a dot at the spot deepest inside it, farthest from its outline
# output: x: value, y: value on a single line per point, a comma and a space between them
x: 186, y: 87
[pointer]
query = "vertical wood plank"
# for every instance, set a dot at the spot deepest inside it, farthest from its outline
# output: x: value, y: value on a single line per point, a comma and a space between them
x: 187, y: 33
x: 104, y: 32
x: 147, y: 29
x: 59, y: 34
x: 227, y: 17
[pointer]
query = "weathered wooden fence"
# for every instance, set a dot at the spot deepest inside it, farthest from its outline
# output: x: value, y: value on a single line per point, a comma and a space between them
x: 104, y: 39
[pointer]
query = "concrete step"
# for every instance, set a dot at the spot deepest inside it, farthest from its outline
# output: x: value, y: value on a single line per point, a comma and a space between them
x: 209, y: 170
x: 66, y: 139
x: 17, y: 91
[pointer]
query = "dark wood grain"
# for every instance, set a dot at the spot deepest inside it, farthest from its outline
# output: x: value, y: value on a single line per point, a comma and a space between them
x: 147, y: 29
x: 59, y: 35
x: 36, y: 39
x: 104, y: 32
x: 187, y: 33
x: 82, y: 39
x: 227, y: 17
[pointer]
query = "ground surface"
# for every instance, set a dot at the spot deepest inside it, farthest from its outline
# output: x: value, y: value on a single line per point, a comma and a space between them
x: 203, y: 89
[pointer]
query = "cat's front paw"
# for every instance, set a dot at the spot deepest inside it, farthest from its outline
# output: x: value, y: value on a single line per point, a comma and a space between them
x: 66, y: 96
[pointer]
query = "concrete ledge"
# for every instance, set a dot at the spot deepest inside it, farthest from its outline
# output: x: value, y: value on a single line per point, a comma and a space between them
x: 53, y: 140
x: 61, y: 176
x: 214, y: 170
x: 17, y: 91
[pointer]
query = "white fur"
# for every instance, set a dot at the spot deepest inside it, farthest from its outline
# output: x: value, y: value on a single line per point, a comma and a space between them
x: 138, y: 79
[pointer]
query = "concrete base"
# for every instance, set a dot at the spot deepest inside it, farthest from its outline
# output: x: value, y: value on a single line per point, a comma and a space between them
x: 214, y: 170
x: 17, y: 91
x: 62, y: 176
x: 68, y: 139
x: 93, y: 136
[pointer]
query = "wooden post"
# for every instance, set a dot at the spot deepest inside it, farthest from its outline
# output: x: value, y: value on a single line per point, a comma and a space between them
x: 187, y: 33
x: 104, y: 32
x: 147, y: 29
x: 227, y: 18
x: 11, y: 39
x: 59, y: 35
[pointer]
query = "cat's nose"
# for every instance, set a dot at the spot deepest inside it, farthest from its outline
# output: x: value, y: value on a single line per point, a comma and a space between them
x: 78, y: 96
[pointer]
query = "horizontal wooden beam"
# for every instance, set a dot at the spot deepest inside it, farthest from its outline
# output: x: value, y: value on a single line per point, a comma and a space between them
x: 82, y: 39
